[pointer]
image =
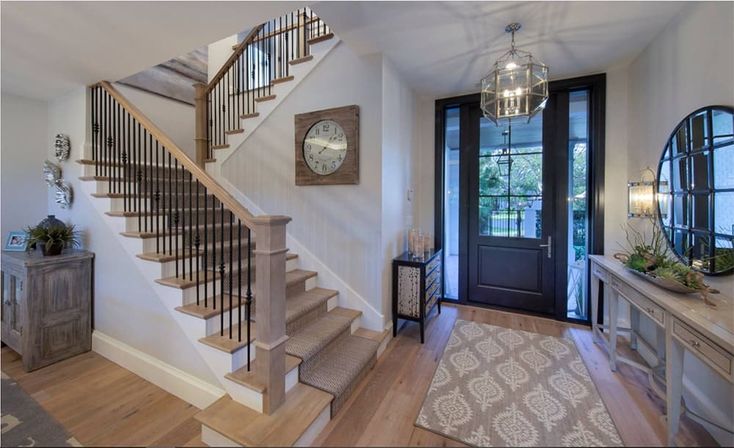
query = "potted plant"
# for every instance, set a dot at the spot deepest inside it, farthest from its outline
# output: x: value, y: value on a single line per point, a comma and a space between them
x: 651, y: 260
x: 52, y: 238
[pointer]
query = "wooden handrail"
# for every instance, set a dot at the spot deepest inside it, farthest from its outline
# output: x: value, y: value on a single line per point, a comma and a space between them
x: 196, y: 171
x: 231, y: 60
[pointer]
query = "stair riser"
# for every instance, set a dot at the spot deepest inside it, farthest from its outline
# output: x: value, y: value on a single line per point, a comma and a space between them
x: 223, y: 363
x: 296, y: 288
x: 253, y: 399
x: 293, y: 326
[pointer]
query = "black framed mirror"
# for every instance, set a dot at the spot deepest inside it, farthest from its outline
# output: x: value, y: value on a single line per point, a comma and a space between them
x: 695, y: 190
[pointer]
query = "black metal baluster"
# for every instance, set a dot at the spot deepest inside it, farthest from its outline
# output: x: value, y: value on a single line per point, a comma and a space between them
x: 94, y: 126
x: 214, y: 253
x: 239, y: 280
x: 206, y: 249
x: 193, y: 230
x: 156, y: 173
x: 126, y: 161
x: 248, y: 301
x: 168, y: 207
x: 221, y: 268
x: 139, y: 178
x: 197, y: 240
x: 231, y: 271
x: 179, y: 229
x: 118, y: 146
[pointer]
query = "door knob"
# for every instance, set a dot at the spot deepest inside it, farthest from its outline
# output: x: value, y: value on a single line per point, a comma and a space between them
x: 549, y: 246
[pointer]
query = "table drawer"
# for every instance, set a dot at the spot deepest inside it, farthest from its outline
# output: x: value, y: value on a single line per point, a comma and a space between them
x: 638, y: 300
x: 433, y: 290
x: 709, y: 352
x: 599, y: 272
x: 436, y: 262
x: 433, y: 277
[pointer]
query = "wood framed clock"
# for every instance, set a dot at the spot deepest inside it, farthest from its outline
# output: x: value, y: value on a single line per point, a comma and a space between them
x: 327, y: 146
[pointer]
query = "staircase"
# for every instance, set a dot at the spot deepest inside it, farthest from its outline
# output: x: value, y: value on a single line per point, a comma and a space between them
x: 261, y: 71
x: 284, y: 350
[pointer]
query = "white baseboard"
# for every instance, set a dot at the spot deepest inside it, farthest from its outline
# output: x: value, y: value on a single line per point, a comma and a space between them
x: 174, y: 381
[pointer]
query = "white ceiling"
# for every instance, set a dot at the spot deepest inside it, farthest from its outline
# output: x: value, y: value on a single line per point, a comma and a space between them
x: 49, y: 48
x: 445, y: 48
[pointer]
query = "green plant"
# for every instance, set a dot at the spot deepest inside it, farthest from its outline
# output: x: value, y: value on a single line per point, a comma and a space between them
x: 53, y: 238
x: 651, y: 257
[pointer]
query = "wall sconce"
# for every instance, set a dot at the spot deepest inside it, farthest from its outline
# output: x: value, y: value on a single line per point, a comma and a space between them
x: 641, y: 196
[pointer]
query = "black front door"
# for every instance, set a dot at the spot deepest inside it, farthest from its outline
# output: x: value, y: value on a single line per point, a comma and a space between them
x: 510, y: 207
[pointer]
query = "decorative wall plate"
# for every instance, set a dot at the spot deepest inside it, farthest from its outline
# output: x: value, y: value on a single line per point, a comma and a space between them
x: 64, y: 193
x: 62, y: 147
x: 51, y: 173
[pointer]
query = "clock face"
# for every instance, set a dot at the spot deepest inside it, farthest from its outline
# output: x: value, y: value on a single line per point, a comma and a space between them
x: 325, y: 147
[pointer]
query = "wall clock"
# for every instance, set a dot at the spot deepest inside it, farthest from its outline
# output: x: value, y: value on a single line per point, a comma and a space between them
x: 327, y: 146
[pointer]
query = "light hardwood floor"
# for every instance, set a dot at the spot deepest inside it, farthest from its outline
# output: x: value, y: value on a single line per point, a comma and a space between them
x: 383, y: 409
x: 102, y: 404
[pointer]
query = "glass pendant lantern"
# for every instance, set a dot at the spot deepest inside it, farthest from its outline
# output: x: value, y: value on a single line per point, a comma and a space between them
x: 517, y: 86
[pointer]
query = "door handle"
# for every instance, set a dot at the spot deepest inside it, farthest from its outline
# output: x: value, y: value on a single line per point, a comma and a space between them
x: 549, y: 246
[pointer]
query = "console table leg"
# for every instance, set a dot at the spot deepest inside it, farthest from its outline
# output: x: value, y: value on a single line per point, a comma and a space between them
x: 674, y: 382
x: 613, y: 314
x: 594, y: 307
x: 635, y: 324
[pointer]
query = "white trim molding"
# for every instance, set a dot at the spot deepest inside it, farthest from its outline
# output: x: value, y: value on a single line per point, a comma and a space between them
x: 174, y: 381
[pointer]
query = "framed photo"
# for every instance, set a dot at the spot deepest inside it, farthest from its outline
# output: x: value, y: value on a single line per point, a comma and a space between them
x: 16, y: 242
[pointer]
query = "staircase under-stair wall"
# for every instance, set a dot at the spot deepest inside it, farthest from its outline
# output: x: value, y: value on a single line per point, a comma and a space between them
x: 285, y: 352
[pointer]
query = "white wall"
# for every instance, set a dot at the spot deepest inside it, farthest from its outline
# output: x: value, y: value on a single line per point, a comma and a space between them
x: 688, y: 66
x: 339, y: 224
x: 424, y: 128
x: 125, y: 306
x: 399, y: 160
x: 24, y: 148
x: 175, y: 118
x: 219, y: 52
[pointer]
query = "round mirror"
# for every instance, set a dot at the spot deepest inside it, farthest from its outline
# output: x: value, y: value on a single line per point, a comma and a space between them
x: 696, y: 190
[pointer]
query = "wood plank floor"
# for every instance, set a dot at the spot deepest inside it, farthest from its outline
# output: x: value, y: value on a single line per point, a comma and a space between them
x: 381, y: 412
x: 101, y: 403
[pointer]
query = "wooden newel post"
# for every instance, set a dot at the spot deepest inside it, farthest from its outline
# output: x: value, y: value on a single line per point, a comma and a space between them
x: 202, y: 144
x: 270, y: 258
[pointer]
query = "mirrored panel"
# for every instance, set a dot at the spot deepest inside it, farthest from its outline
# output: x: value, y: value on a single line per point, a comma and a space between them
x: 696, y: 190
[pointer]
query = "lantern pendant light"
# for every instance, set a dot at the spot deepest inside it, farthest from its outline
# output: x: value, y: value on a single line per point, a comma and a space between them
x: 517, y: 86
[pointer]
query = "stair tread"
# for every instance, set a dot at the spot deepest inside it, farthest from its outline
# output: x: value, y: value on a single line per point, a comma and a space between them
x: 295, y: 276
x: 316, y: 335
x: 234, y: 131
x: 377, y: 336
x: 249, y: 379
x: 224, y: 343
x: 282, y: 80
x: 305, y: 301
x: 339, y: 364
x: 207, y: 311
x: 303, y: 404
x: 162, y: 212
x: 252, y: 115
x: 301, y: 60
x: 166, y: 257
x: 265, y: 98
x: 321, y: 38
x: 128, y: 180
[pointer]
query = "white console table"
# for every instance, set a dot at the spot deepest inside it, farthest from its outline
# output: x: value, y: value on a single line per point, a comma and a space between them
x: 684, y: 322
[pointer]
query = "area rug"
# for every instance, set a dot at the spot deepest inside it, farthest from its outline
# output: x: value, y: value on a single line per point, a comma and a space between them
x: 25, y: 423
x: 500, y: 387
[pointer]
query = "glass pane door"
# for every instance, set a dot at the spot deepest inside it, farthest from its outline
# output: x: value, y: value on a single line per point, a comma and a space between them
x: 577, y: 208
x: 511, y: 178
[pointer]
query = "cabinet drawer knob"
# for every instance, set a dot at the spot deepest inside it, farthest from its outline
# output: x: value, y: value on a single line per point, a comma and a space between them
x: 695, y: 343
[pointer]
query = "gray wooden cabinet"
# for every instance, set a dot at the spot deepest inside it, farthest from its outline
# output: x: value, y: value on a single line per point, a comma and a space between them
x: 47, y: 305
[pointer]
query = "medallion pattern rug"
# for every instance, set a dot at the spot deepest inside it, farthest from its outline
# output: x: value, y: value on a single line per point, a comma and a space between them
x: 26, y: 423
x: 500, y: 387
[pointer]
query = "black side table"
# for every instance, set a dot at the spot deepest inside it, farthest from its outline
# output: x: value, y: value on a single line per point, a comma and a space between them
x: 416, y: 288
